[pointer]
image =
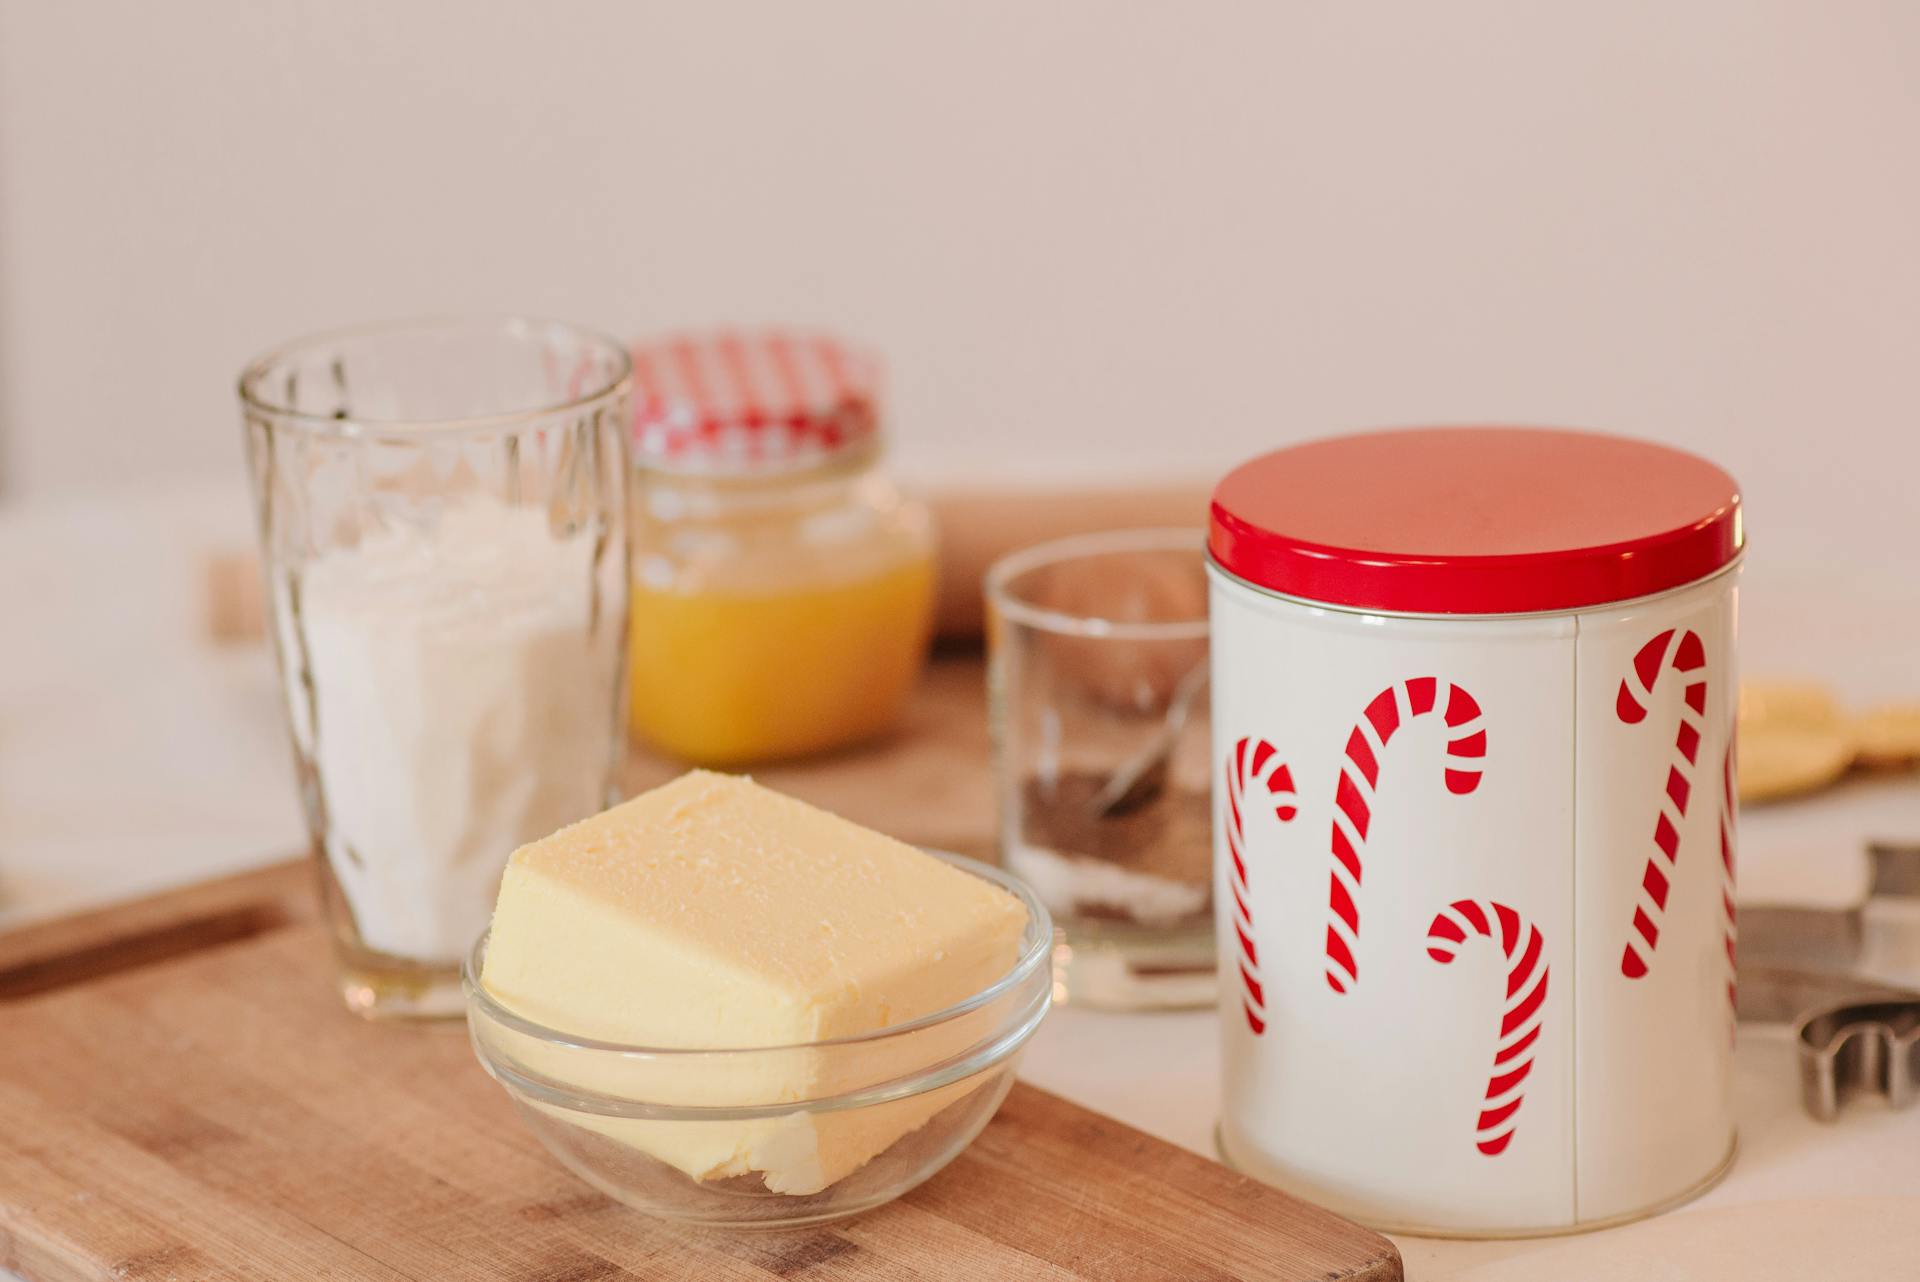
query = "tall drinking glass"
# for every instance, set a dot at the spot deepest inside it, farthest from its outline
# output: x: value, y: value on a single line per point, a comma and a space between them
x: 443, y: 515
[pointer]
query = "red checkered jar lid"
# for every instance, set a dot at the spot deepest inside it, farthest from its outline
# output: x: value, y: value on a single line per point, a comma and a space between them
x: 752, y: 403
x: 1475, y: 520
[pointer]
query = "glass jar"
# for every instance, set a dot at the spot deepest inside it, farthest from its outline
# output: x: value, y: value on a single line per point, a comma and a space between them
x: 782, y: 589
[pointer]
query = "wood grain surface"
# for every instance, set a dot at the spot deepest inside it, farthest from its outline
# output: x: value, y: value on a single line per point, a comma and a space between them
x: 206, y: 1109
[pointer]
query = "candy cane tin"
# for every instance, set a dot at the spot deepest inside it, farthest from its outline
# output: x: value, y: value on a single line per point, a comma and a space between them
x: 1473, y: 705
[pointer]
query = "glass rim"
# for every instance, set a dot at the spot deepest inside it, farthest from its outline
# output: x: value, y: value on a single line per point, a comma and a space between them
x: 1073, y: 547
x: 617, y: 383
x: 1036, y: 950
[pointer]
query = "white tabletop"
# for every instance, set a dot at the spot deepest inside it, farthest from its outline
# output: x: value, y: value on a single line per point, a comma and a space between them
x: 134, y: 755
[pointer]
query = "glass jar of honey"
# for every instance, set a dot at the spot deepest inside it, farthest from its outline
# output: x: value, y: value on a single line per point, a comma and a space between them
x: 782, y: 586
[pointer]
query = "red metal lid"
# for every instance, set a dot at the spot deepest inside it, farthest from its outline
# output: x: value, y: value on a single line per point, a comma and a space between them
x: 733, y: 403
x: 1475, y: 520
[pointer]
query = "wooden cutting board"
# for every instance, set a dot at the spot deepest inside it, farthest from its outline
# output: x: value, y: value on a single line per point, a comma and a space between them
x: 182, y: 1097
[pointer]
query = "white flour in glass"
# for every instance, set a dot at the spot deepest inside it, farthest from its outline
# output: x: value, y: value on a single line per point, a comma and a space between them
x: 458, y: 701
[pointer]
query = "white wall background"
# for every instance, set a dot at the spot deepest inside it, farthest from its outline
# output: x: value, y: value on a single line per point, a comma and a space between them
x: 1094, y: 238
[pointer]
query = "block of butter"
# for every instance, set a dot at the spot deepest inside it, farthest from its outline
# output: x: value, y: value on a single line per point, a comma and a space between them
x: 714, y: 913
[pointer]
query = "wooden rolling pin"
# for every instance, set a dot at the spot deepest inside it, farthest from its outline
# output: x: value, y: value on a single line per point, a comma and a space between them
x: 977, y: 527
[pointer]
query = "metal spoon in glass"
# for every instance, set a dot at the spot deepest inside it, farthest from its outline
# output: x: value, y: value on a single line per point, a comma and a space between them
x: 1143, y: 776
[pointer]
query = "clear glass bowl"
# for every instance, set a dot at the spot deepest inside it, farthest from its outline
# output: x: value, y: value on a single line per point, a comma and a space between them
x: 816, y: 1131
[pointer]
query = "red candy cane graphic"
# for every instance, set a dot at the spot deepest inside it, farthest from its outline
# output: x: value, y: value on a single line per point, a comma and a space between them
x: 1687, y: 658
x: 1252, y: 761
x: 1521, y: 1019
x: 1353, y: 800
x: 1729, y: 830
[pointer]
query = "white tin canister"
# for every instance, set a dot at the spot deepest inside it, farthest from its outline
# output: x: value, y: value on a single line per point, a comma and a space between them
x: 1473, y: 707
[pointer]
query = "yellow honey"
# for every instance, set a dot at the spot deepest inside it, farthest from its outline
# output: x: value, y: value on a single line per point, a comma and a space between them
x: 727, y: 676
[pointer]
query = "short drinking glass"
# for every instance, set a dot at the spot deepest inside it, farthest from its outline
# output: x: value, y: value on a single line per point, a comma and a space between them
x: 1098, y: 683
x: 443, y: 512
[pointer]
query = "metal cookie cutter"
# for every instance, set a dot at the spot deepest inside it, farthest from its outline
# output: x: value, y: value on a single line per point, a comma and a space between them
x: 1864, y: 1046
x: 1803, y: 967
